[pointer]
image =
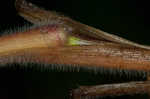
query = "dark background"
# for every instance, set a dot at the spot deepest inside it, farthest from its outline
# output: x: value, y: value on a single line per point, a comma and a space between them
x: 126, y: 18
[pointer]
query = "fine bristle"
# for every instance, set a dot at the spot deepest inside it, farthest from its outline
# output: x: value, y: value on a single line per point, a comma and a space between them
x: 110, y: 73
x: 26, y: 27
x: 12, y: 29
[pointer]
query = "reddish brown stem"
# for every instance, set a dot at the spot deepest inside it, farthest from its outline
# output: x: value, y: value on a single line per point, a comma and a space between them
x: 104, y: 55
x: 112, y: 89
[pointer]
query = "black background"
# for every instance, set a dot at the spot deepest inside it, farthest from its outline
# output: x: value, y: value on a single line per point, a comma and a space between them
x: 126, y: 18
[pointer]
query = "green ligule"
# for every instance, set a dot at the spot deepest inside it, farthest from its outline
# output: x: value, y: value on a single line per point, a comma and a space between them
x: 77, y: 41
